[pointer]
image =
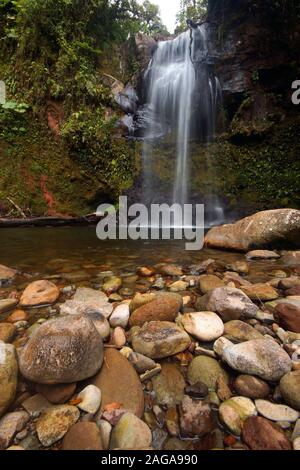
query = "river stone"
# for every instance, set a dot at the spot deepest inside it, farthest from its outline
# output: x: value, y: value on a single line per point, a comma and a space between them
x: 112, y: 284
x: 6, y: 274
x: 120, y: 316
x: 54, y: 423
x: 10, y: 424
x: 260, y: 434
x: 290, y: 389
x: 251, y: 387
x: 141, y: 363
x: 288, y: 316
x: 195, y: 418
x: 205, y: 326
x: 160, y: 339
x: 141, y: 299
x: 83, y: 436
x: 260, y: 292
x: 257, y: 231
x: 7, y: 304
x: 228, y: 302
x: 63, y: 350
x: 100, y: 323
x: 206, y: 370
x: 291, y: 258
x: 39, y: 293
x: 57, y: 394
x: 235, y: 411
x: 91, y: 399
x: 208, y: 282
x: 36, y: 404
x: 239, y: 331
x: 275, y: 412
x: 170, y: 270
x: 8, y: 376
x: 164, y: 307
x: 220, y: 344
x: 169, y: 385
x: 119, y: 383
x: 130, y: 433
x: 241, y: 267
x: 87, y: 301
x: 262, y: 254
x: 7, y: 332
x: 261, y: 357
x: 105, y: 429
x: 17, y: 315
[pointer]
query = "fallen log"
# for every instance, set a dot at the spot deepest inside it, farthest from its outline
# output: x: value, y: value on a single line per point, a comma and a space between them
x: 90, y: 219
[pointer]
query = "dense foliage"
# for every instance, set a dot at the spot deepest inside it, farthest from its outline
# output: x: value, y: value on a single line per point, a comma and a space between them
x: 190, y: 9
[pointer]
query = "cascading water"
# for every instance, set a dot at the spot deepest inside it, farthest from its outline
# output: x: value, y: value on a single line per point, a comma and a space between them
x: 183, y: 97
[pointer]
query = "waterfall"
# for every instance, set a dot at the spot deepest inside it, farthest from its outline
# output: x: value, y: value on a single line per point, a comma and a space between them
x: 183, y: 96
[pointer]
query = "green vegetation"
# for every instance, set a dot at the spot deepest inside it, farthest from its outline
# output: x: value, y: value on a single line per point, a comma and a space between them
x: 190, y: 9
x: 59, y: 51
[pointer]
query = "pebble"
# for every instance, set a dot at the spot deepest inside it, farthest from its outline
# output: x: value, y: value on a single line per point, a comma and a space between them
x: 261, y: 434
x: 262, y: 254
x: 290, y: 389
x: 195, y: 418
x: 8, y: 376
x: 112, y: 284
x: 130, y: 433
x: 118, y: 337
x: 164, y: 307
x: 239, y: 331
x: 261, y: 357
x: 208, y: 282
x: 17, y: 315
x: 169, y: 385
x: 36, y: 404
x: 206, y: 370
x: 251, y: 387
x: 91, y: 399
x: 235, y: 411
x: 7, y: 332
x: 276, y: 412
x: 198, y: 390
x: 7, y: 304
x: 141, y: 363
x: 205, y: 326
x: 120, y: 316
x: 296, y: 444
x: 39, y: 293
x: 10, y: 424
x: 105, y: 430
x: 54, y: 423
x: 160, y: 339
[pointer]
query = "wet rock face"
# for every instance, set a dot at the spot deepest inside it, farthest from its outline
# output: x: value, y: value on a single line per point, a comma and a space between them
x: 62, y: 351
x: 257, y: 231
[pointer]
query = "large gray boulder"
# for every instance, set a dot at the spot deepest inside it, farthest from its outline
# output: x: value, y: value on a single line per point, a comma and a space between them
x: 264, y: 229
x: 65, y: 350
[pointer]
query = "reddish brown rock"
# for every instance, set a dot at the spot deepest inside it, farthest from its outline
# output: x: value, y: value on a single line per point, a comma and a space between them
x: 251, y: 387
x: 196, y: 418
x: 288, y: 316
x: 164, y: 307
x: 293, y: 291
x: 57, y: 394
x: 39, y: 293
x: 261, y: 434
x: 7, y: 332
x: 119, y: 383
x: 17, y: 315
x: 83, y: 436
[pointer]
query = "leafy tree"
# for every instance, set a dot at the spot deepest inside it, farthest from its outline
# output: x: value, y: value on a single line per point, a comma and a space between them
x: 190, y: 9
